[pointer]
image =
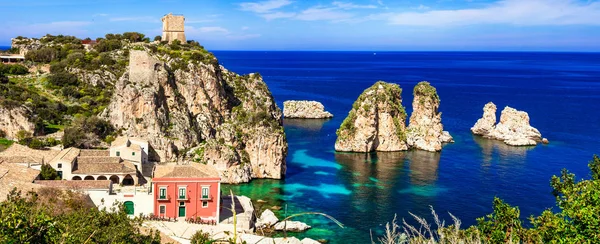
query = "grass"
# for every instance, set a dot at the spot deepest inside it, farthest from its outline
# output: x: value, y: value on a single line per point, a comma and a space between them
x: 5, y: 143
x: 424, y: 234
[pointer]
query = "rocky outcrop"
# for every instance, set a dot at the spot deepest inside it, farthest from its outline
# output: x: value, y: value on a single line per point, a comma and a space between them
x: 425, y: 129
x: 486, y: 124
x: 295, y: 226
x: 377, y: 121
x: 255, y: 239
x: 513, y: 129
x: 233, y: 118
x: 305, y: 110
x: 25, y: 44
x: 13, y: 120
x: 267, y: 219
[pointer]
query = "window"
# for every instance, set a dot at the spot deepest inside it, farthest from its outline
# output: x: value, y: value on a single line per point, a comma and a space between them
x: 181, y: 192
x: 60, y: 166
x: 162, y: 193
x: 162, y: 209
x: 118, y: 153
x: 205, y: 204
x: 205, y: 190
x: 132, y: 153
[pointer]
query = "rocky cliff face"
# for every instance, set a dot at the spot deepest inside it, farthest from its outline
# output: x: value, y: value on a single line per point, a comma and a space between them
x: 230, y: 121
x: 305, y: 110
x: 12, y: 120
x: 377, y: 121
x: 425, y: 129
x: 513, y: 129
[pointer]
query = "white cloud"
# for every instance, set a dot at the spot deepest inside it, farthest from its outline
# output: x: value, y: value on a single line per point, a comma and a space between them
x: 76, y: 28
x: 264, y: 6
x: 322, y: 13
x: 245, y: 27
x: 422, y: 7
x: 100, y: 14
x: 513, y: 12
x: 344, y: 5
x: 213, y: 29
x: 278, y: 15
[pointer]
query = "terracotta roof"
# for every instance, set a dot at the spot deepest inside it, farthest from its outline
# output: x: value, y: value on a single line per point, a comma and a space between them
x: 21, y: 154
x: 192, y: 170
x: 76, y: 184
x: 68, y: 155
x: 98, y: 160
x: 15, y: 175
x: 122, y: 140
x: 94, y: 153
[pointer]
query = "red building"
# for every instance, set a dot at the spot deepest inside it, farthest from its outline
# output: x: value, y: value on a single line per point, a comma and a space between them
x: 188, y: 191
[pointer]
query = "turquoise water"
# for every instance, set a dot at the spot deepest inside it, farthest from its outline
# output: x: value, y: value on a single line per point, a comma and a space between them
x: 560, y: 91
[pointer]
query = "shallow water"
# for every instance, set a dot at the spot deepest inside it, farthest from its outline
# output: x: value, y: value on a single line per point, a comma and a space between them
x: 560, y: 91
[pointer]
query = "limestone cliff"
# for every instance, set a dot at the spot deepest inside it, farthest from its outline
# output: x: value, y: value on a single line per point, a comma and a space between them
x: 305, y: 110
x: 377, y: 121
x: 513, y: 129
x: 13, y: 120
x: 231, y: 120
x: 425, y: 129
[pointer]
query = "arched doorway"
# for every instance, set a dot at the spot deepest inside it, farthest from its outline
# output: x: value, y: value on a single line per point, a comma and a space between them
x: 89, y: 177
x: 102, y: 177
x: 129, y: 208
x: 128, y: 180
x: 76, y: 178
x: 114, y: 179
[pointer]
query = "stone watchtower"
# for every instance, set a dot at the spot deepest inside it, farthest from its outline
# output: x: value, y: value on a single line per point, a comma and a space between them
x: 173, y: 28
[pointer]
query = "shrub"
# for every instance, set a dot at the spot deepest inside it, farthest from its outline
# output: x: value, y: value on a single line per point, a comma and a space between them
x: 201, y: 237
x: 157, y: 38
x: 48, y: 173
x: 61, y: 79
x: 42, y: 55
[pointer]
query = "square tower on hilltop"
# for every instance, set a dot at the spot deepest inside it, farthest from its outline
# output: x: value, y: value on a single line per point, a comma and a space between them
x: 173, y: 28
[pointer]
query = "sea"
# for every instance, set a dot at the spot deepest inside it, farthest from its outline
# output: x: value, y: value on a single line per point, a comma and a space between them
x: 559, y: 91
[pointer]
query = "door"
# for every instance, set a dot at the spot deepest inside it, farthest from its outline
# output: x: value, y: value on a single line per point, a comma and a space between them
x: 181, y: 209
x: 129, y: 208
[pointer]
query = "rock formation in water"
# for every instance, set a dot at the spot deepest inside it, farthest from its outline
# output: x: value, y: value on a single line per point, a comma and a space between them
x: 377, y: 121
x: 223, y: 119
x: 485, y: 125
x: 425, y: 129
x: 513, y: 128
x: 305, y: 110
x: 13, y: 120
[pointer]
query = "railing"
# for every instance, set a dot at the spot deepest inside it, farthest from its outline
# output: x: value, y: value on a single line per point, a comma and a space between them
x: 205, y: 197
x: 164, y: 198
x: 184, y: 197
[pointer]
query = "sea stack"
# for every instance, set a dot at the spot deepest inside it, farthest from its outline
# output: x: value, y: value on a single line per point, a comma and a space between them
x: 376, y: 122
x: 513, y: 128
x: 425, y: 130
x: 305, y: 110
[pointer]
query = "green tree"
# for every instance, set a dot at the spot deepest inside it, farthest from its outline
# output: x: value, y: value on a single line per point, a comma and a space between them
x: 158, y: 38
x: 48, y: 173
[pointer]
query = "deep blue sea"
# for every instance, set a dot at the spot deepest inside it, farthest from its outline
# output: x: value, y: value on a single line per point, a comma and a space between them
x: 560, y: 91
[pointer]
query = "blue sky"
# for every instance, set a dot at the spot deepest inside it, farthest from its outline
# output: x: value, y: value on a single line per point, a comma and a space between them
x: 545, y: 25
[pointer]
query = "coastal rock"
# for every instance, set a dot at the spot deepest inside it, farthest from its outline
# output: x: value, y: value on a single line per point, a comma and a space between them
x: 545, y: 141
x: 267, y: 218
x: 425, y: 129
x: 486, y: 124
x: 305, y: 110
x: 295, y: 226
x: 177, y: 109
x: 13, y: 120
x: 256, y: 239
x: 513, y: 128
x: 377, y: 121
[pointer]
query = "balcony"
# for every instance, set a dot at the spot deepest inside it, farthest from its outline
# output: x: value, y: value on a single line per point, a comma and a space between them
x: 205, y: 197
x: 164, y: 198
x: 182, y: 197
